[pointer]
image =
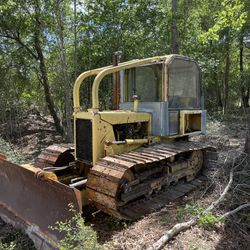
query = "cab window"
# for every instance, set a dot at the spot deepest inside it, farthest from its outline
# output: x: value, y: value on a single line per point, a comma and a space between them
x: 184, y: 84
x: 145, y: 82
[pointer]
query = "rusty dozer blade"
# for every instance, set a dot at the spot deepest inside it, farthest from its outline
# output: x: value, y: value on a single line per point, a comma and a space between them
x: 30, y: 200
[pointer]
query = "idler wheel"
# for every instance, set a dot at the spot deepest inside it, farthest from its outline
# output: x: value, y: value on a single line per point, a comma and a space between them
x: 196, y: 161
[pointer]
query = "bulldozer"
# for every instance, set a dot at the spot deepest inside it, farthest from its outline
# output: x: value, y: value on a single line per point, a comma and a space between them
x: 122, y: 158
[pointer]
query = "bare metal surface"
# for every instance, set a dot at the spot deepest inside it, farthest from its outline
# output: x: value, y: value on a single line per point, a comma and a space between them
x: 159, y: 111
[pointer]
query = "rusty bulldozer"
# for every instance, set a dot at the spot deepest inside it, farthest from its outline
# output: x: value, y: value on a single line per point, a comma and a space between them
x: 123, y: 161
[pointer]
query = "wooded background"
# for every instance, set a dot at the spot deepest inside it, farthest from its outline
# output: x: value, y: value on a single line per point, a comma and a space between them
x: 45, y: 45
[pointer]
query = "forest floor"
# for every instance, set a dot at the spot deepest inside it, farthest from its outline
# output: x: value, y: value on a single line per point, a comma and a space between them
x: 226, y: 133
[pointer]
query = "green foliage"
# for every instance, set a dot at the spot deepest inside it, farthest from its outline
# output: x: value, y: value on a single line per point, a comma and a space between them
x: 193, y: 209
x: 230, y: 14
x: 116, y: 224
x: 208, y: 31
x: 13, y: 239
x: 77, y: 234
x: 10, y: 153
x: 6, y: 246
x: 205, y: 218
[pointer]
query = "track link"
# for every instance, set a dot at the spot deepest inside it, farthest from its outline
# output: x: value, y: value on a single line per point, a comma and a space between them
x: 132, y: 184
x: 56, y: 155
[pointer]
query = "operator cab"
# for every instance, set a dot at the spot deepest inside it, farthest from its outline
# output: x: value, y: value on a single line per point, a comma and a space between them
x: 145, y: 82
x: 171, y: 91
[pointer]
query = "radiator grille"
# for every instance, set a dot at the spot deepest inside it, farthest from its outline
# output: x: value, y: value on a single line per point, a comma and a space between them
x: 84, y: 140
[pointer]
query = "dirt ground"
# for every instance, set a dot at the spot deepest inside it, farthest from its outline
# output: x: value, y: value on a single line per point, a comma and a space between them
x: 227, y: 135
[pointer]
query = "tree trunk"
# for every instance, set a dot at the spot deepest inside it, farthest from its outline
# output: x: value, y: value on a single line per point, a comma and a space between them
x: 75, y: 40
x: 244, y: 90
x: 68, y: 110
x: 218, y: 92
x: 175, y: 46
x: 218, y: 89
x: 247, y: 144
x: 226, y: 75
x: 244, y: 97
x: 37, y: 54
x: 43, y: 71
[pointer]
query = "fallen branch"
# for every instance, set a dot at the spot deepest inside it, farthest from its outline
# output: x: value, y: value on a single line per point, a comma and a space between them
x: 235, y: 210
x: 186, y: 225
x: 222, y: 197
x: 171, y: 233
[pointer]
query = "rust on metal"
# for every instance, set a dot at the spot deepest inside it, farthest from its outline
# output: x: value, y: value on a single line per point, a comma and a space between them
x: 140, y: 156
x: 37, y: 202
x: 124, y: 164
x: 157, y: 154
x: 2, y: 156
x: 55, y: 156
x: 124, y: 158
x: 119, y: 183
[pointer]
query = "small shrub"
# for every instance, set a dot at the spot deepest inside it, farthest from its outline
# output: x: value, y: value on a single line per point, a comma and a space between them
x: 6, y: 246
x: 116, y: 224
x: 207, y: 219
x: 194, y: 209
x: 182, y: 211
x: 78, y: 236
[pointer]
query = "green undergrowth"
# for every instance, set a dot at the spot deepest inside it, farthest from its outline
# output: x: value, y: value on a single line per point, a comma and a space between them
x: 206, y: 218
x: 233, y: 119
x: 11, y: 154
x: 116, y: 224
x: 78, y: 235
x: 14, y: 239
x: 7, y: 246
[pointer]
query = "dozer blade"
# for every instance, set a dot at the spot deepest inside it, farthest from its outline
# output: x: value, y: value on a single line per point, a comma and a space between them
x: 31, y: 201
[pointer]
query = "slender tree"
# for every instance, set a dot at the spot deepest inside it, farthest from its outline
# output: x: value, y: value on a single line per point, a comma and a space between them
x: 25, y: 28
x: 59, y: 14
x: 175, y: 45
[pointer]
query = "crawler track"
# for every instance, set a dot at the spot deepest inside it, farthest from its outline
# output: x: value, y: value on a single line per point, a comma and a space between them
x: 56, y: 155
x: 133, y: 184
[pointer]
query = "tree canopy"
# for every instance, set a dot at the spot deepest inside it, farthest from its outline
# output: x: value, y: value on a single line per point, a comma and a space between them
x: 45, y: 45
